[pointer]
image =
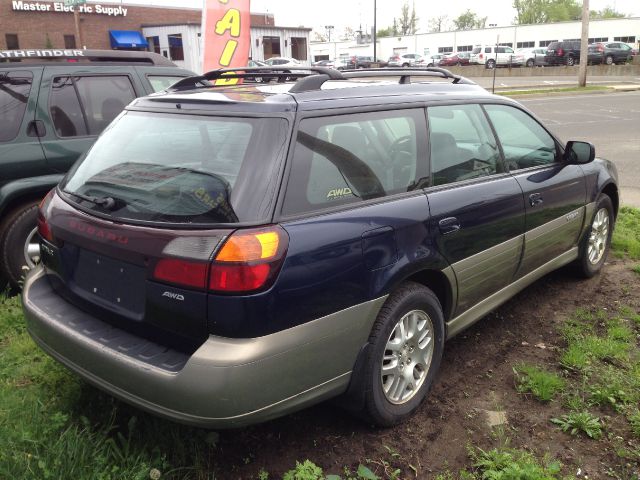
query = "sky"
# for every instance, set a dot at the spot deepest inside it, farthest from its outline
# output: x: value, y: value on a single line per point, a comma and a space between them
x: 317, y: 14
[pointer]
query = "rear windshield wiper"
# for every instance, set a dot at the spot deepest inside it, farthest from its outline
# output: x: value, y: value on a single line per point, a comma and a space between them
x: 106, y: 202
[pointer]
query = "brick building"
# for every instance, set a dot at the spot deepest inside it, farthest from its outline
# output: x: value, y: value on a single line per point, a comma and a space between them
x: 171, y: 31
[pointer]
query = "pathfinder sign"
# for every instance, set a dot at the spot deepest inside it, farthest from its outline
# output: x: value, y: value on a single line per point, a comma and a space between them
x: 60, y: 7
x: 227, y: 35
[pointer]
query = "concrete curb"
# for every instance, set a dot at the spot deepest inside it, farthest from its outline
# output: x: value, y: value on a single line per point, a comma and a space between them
x: 606, y: 89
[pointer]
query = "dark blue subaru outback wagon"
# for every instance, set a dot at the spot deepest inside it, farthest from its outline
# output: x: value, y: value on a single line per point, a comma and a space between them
x: 224, y: 255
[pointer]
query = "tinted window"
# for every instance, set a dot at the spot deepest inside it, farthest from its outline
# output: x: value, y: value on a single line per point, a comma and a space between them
x: 162, y: 82
x: 86, y: 105
x: 461, y: 144
x: 183, y: 169
x: 476, y: 50
x: 14, y: 94
x: 524, y: 142
x: 487, y: 50
x: 66, y: 114
x: 351, y: 158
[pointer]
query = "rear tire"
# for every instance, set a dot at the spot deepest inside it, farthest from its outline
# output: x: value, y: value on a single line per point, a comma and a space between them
x: 608, y: 60
x: 405, y: 65
x: 530, y: 63
x: 571, y: 61
x: 13, y: 245
x: 407, y: 341
x: 597, y: 240
x: 491, y: 64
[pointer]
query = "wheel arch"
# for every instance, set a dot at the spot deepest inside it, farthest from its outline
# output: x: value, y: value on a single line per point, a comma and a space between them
x: 612, y: 192
x: 25, y: 190
x: 440, y: 284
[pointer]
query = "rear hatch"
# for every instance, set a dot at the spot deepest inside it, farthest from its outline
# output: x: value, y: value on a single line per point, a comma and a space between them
x: 134, y: 227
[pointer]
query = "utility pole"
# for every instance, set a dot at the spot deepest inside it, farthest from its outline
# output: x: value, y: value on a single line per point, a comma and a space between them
x: 584, y: 40
x: 328, y: 28
x: 375, y: 33
x: 76, y: 18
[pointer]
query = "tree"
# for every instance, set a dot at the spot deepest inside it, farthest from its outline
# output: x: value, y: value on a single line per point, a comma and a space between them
x: 408, y: 21
x: 437, y: 24
x: 469, y: 20
x: 385, y: 32
x: 348, y: 34
x: 606, y: 12
x: 319, y: 37
x: 546, y: 11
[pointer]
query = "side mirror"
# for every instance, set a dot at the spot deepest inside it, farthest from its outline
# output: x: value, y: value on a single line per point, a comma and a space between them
x: 579, y: 152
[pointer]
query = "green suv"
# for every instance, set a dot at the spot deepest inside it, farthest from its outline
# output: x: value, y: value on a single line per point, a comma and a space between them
x: 53, y: 106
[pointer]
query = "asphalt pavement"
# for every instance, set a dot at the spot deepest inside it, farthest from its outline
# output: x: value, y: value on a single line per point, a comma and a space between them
x: 514, y: 83
x: 611, y: 121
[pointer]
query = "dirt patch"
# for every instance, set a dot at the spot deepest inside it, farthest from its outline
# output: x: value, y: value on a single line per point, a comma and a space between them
x: 476, y: 376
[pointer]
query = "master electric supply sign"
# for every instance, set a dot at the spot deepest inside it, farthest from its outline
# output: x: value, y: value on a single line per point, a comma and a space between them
x: 60, y: 7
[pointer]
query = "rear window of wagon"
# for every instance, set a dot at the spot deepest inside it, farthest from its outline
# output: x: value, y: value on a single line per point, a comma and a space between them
x: 182, y: 169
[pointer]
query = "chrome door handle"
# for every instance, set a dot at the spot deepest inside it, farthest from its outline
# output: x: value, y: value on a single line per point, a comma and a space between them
x: 535, y: 199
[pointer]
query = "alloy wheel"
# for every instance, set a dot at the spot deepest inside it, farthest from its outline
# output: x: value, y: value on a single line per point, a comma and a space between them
x: 599, y: 236
x: 407, y: 357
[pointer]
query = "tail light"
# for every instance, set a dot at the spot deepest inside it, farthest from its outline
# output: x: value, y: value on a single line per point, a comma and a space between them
x: 248, y: 261
x: 481, y: 56
x: 560, y: 52
x: 43, y: 226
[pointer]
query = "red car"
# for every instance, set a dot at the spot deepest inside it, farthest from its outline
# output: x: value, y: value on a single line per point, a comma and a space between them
x: 460, y: 58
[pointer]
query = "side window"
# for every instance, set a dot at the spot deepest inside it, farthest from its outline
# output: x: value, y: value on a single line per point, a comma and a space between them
x: 508, y: 50
x: 462, y: 145
x: 86, y: 105
x: 487, y: 50
x: 350, y: 158
x: 65, y: 110
x: 162, y: 82
x: 14, y: 95
x: 524, y: 142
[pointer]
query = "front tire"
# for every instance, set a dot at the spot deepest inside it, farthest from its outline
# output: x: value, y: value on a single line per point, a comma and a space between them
x: 407, y: 341
x: 597, y: 241
x: 19, y: 246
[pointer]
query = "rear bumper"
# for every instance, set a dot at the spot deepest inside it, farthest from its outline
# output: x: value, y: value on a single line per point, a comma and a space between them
x: 225, y: 383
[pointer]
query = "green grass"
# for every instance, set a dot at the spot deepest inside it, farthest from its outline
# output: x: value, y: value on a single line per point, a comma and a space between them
x: 54, y: 426
x: 542, y: 384
x: 511, y: 464
x: 580, y: 422
x: 626, y: 236
x: 636, y: 269
x: 588, y: 88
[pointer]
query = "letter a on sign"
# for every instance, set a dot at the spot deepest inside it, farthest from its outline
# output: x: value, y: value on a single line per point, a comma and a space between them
x: 226, y: 29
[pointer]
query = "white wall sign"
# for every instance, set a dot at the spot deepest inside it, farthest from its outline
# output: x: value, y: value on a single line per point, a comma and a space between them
x: 59, y: 7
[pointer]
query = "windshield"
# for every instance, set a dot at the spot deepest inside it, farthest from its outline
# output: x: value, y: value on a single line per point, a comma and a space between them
x: 181, y: 169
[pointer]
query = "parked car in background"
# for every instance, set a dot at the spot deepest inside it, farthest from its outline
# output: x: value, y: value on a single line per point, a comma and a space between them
x: 283, y: 62
x: 492, y: 56
x: 405, y: 60
x: 533, y: 57
x: 224, y: 268
x: 433, y: 60
x: 53, y: 105
x: 453, y: 59
x: 337, y: 64
x: 359, y: 61
x: 563, y: 53
x: 609, y: 53
x: 253, y: 64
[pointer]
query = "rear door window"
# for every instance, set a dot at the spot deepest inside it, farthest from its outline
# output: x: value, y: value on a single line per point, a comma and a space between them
x: 15, y: 87
x: 162, y: 82
x: 352, y: 158
x: 82, y: 106
x: 462, y: 145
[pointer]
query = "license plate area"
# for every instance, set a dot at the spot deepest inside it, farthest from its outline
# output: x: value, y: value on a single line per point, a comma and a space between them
x: 114, y: 284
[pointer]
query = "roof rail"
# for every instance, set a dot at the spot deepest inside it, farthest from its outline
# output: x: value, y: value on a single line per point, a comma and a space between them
x: 405, y: 74
x: 281, y: 74
x: 83, y: 56
x: 312, y: 78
